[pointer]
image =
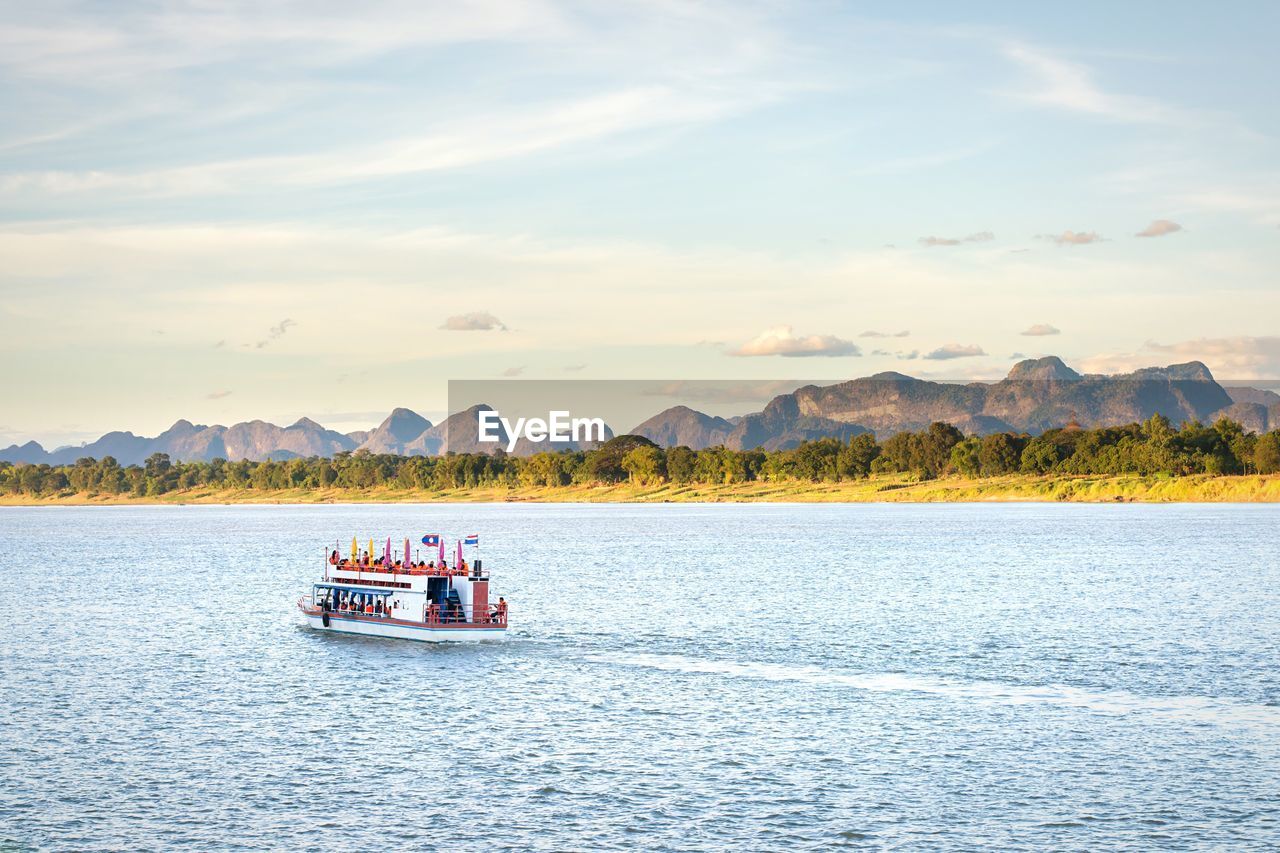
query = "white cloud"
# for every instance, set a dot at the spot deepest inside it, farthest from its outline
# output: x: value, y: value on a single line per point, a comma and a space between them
x: 950, y: 351
x: 874, y: 334
x: 1073, y: 238
x: 1159, y: 228
x: 1240, y: 357
x: 977, y: 237
x: 476, y: 321
x: 217, y: 395
x: 513, y: 371
x: 782, y: 340
x: 1040, y: 330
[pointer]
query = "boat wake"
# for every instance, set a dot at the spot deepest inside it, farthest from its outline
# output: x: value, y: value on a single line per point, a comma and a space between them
x: 1194, y: 709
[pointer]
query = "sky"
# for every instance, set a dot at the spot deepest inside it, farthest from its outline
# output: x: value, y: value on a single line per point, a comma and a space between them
x: 222, y: 211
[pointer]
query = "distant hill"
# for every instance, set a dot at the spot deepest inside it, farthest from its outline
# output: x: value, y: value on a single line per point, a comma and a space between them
x: 681, y: 425
x: 396, y: 433
x: 1037, y: 395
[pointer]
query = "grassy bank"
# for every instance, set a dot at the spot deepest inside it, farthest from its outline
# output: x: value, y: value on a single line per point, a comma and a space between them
x: 892, y: 488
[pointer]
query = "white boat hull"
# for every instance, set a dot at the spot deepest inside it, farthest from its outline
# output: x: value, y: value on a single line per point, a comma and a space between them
x: 375, y: 626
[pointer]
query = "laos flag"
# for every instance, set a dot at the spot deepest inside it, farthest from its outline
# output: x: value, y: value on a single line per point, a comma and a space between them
x: 431, y: 540
x: 472, y: 539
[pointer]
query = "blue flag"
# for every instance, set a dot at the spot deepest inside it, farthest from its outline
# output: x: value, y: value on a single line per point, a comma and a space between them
x: 431, y: 540
x: 473, y: 539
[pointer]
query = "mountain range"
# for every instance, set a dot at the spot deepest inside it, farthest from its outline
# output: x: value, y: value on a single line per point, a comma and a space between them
x: 1038, y: 394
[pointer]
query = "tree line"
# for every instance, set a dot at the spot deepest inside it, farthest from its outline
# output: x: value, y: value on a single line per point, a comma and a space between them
x: 1154, y: 447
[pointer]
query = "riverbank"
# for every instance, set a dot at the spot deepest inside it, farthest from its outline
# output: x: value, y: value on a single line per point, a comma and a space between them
x: 895, y: 488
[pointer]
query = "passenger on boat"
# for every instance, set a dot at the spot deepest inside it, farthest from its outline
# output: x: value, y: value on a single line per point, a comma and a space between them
x: 364, y: 558
x: 333, y: 558
x: 500, y: 610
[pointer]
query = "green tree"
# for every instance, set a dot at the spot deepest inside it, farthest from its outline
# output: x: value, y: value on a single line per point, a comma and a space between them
x: 645, y: 465
x: 1266, y: 455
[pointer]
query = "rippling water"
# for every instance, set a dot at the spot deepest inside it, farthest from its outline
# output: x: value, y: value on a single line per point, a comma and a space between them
x: 679, y: 677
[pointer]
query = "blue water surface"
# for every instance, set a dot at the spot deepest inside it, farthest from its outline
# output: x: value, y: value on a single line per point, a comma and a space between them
x: 678, y: 678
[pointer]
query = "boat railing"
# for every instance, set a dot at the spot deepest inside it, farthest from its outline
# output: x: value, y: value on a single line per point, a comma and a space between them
x: 457, y: 615
x: 410, y: 570
x: 465, y: 614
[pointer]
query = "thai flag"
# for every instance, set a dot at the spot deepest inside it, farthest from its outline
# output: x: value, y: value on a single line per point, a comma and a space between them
x: 473, y: 539
x: 431, y: 540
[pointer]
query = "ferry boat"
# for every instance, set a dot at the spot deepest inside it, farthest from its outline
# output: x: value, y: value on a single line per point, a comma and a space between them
x: 405, y: 598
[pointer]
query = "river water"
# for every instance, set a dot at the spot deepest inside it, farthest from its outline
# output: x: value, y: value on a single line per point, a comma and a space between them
x: 677, y: 677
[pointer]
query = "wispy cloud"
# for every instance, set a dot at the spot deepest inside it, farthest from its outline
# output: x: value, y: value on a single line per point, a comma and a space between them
x: 950, y: 351
x: 275, y: 332
x: 476, y: 321
x: 217, y: 395
x: 513, y: 371
x: 977, y: 237
x: 874, y: 334
x: 1073, y: 238
x: 1159, y: 228
x: 1070, y: 86
x: 783, y: 341
x: 1040, y: 330
x: 466, y: 142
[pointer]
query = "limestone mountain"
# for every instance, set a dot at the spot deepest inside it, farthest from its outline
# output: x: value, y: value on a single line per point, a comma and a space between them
x: 681, y: 425
x: 1036, y: 395
x: 394, y: 435
x: 305, y: 437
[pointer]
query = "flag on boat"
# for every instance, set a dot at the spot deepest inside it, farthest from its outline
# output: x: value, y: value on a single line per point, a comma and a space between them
x: 355, y: 549
x: 386, y: 555
x: 405, y: 557
x: 471, y: 539
x: 457, y: 561
x: 441, y: 557
x: 431, y: 540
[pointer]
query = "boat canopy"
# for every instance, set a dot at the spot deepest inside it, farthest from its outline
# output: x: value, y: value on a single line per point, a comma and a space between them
x: 353, y: 588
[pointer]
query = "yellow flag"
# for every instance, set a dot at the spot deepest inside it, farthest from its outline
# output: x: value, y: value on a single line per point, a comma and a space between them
x: 354, y: 549
x: 370, y: 552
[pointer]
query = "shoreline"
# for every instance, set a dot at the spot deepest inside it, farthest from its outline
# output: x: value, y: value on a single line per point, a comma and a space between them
x: 884, y: 489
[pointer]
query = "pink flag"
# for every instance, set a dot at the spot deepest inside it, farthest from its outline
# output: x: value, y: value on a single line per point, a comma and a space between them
x: 441, y: 557
x: 457, y: 561
x: 406, y: 552
x: 386, y: 558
